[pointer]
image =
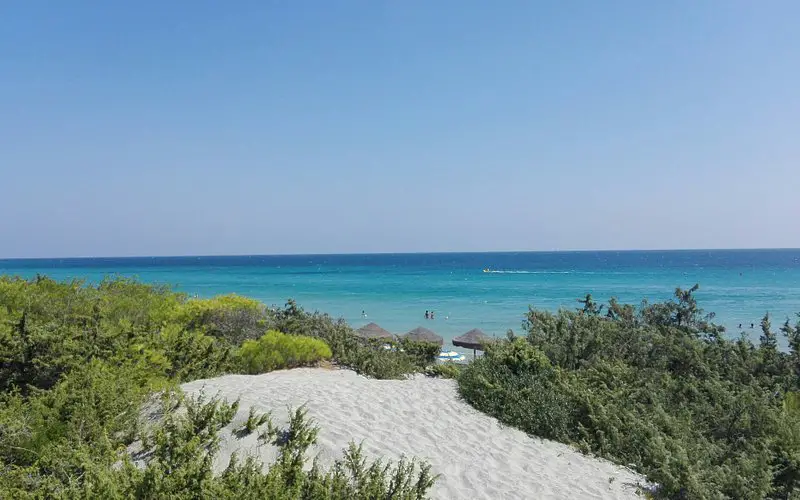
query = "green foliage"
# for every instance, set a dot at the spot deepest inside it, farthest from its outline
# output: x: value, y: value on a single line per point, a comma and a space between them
x: 367, y: 357
x: 376, y: 362
x: 191, y: 355
x: 444, y: 370
x: 655, y: 386
x: 275, y: 351
x: 791, y: 403
x: 423, y: 354
x: 516, y: 382
x: 51, y: 437
x: 231, y: 318
x: 181, y: 451
x: 79, y: 361
x: 48, y: 328
x: 253, y: 422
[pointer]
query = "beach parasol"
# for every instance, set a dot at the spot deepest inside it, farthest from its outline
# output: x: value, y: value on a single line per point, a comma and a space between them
x: 420, y: 334
x: 373, y: 331
x: 473, y: 339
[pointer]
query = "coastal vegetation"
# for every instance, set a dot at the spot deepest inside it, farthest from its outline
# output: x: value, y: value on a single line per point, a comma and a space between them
x: 367, y: 357
x: 656, y: 387
x: 78, y: 362
x: 444, y: 370
x: 276, y: 350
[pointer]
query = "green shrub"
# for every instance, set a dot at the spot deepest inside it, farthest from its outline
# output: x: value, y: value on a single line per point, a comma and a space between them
x: 180, y: 454
x: 253, y: 422
x: 50, y: 437
x: 366, y: 357
x: 423, y: 354
x: 124, y: 303
x: 231, y: 318
x: 371, y: 358
x: 275, y: 351
x: 444, y: 370
x: 515, y: 382
x: 657, y: 387
x: 78, y: 360
x: 376, y: 362
x: 192, y: 355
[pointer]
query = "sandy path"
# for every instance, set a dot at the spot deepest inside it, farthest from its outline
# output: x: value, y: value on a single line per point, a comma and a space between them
x: 421, y: 417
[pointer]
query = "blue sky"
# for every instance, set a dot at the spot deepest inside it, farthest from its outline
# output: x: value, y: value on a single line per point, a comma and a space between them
x: 208, y: 127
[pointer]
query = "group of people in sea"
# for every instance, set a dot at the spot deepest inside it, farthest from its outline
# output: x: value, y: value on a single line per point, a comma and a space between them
x: 428, y: 315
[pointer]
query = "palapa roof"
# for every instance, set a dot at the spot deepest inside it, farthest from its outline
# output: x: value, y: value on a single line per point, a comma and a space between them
x: 421, y: 334
x: 373, y: 331
x: 473, y: 339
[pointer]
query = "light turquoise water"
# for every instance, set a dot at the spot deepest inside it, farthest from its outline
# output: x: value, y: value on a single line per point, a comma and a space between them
x: 396, y: 290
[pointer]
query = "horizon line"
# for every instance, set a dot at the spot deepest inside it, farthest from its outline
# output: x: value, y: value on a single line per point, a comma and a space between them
x: 472, y: 252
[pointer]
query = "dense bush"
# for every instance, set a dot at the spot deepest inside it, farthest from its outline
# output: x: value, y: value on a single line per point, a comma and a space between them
x: 47, y: 328
x: 655, y: 386
x: 177, y: 459
x: 518, y: 384
x: 275, y: 351
x: 77, y: 363
x: 423, y: 354
x: 447, y: 369
x: 372, y: 360
x: 367, y: 357
x: 231, y: 318
x: 50, y: 436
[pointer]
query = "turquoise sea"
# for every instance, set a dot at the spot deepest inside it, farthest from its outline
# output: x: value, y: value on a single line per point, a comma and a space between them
x: 395, y: 290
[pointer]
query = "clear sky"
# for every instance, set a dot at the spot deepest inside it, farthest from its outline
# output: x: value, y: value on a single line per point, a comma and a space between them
x: 247, y: 127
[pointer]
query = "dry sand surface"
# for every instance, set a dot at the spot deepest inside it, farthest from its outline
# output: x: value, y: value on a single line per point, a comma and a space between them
x: 420, y: 417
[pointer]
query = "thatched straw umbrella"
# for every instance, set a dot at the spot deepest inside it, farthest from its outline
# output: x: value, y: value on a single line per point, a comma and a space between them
x: 474, y: 339
x: 420, y: 334
x: 373, y: 331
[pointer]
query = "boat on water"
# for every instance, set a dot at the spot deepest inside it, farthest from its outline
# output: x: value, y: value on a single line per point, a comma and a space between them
x: 451, y: 356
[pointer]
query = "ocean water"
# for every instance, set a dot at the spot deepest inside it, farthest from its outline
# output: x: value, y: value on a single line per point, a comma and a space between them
x: 395, y: 290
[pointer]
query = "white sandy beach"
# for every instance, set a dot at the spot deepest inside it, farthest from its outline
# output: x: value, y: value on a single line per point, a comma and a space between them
x: 421, y: 417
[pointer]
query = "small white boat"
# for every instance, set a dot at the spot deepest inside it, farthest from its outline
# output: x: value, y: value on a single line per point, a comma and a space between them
x: 451, y: 356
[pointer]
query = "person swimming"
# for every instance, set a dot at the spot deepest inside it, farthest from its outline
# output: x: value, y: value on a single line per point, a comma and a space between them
x: 431, y: 314
x: 427, y: 315
x: 363, y: 314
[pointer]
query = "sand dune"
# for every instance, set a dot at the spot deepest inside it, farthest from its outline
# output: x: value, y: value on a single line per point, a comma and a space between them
x: 422, y: 417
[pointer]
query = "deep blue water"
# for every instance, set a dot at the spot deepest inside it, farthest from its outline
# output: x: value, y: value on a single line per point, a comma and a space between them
x: 395, y: 290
